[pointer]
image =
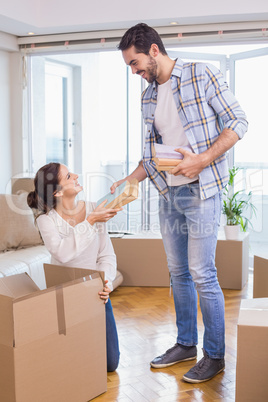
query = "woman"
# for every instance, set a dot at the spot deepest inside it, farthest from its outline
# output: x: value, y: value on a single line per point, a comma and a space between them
x: 75, y: 235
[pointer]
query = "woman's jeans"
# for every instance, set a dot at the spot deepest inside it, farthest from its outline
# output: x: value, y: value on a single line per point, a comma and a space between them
x: 112, y: 345
x: 189, y: 228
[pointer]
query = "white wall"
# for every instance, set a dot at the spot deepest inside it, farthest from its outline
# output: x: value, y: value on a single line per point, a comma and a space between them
x: 16, y: 85
x: 9, y: 109
x: 5, y: 137
x: 10, y: 118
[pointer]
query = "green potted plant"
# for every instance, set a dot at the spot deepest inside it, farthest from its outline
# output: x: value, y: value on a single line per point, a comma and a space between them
x: 235, y: 205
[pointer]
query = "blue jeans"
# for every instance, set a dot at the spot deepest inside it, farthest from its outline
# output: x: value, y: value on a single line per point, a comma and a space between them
x: 189, y: 228
x: 112, y: 346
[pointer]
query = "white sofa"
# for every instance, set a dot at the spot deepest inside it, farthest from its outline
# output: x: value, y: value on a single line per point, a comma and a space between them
x: 21, y: 247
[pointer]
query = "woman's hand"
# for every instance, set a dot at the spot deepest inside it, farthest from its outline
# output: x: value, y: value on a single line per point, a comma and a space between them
x: 104, y: 295
x: 102, y: 214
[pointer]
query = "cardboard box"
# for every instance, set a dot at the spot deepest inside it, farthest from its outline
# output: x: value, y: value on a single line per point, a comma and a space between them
x: 232, y: 261
x: 141, y: 260
x: 52, y: 341
x: 252, y: 351
x: 260, y: 277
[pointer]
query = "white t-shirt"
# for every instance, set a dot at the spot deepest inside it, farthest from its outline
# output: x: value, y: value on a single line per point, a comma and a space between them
x: 81, y: 246
x: 169, y: 126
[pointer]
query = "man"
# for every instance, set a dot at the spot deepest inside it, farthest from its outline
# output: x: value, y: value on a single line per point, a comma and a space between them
x: 187, y: 105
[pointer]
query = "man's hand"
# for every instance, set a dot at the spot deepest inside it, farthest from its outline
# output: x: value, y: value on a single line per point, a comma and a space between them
x: 116, y: 184
x: 191, y: 165
x: 139, y: 174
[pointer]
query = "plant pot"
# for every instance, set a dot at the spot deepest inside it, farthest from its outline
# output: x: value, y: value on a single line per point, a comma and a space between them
x: 232, y: 232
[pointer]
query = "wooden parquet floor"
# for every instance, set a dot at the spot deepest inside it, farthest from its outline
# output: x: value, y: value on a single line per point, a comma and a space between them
x: 146, y: 326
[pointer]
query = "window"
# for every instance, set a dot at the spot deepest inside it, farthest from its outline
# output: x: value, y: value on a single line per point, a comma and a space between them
x: 250, y: 84
x: 85, y: 111
x: 244, y: 67
x: 58, y: 113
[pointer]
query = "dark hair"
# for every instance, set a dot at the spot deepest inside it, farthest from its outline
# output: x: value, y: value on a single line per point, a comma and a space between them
x: 46, y: 184
x: 141, y: 36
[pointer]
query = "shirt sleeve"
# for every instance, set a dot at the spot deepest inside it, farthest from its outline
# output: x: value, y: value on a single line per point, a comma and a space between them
x: 65, y: 247
x: 106, y: 260
x: 223, y: 101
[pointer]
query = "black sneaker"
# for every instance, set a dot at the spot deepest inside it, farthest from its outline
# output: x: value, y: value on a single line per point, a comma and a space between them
x: 205, y: 369
x: 178, y: 353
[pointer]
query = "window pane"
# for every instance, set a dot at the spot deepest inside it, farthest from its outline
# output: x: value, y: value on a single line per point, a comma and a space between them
x: 250, y: 150
x: 250, y: 153
x: 56, y: 141
x: 134, y: 145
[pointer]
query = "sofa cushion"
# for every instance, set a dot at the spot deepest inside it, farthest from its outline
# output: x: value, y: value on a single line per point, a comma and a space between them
x: 117, y: 280
x: 32, y: 260
x: 17, y: 227
x: 28, y: 260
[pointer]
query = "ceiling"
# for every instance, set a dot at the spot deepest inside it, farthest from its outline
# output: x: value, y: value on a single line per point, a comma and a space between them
x: 19, y: 17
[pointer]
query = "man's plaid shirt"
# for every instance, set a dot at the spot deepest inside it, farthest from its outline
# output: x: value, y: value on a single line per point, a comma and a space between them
x: 205, y: 106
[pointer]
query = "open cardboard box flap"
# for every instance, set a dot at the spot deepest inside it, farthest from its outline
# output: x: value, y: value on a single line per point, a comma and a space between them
x: 57, y: 274
x: 28, y: 314
x: 254, y: 312
x: 11, y: 288
x: 15, y: 286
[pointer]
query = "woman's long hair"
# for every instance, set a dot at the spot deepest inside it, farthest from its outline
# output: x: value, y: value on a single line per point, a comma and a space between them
x: 46, y: 184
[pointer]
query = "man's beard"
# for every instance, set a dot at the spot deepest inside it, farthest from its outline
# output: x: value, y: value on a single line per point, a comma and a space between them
x: 151, y: 70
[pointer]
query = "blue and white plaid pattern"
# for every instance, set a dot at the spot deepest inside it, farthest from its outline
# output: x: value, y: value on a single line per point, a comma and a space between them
x: 205, y: 106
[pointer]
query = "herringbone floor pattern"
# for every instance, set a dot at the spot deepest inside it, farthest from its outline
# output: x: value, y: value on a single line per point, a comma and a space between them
x: 146, y: 325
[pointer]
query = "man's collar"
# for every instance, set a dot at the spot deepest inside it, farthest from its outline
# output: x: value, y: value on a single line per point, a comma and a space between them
x: 177, y: 69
